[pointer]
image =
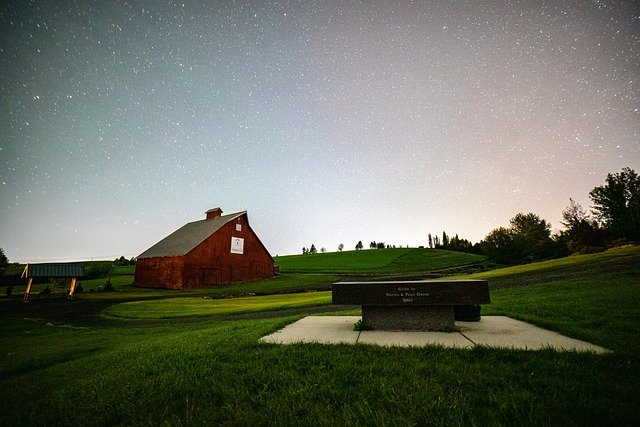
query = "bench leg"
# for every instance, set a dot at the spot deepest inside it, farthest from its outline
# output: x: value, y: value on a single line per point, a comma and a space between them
x: 467, y: 313
x: 409, y: 318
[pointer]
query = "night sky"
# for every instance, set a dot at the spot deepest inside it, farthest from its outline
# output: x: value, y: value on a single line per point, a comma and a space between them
x: 329, y: 122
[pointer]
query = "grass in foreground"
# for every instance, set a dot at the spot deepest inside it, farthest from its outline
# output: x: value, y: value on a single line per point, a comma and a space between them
x: 601, y: 308
x: 216, y: 373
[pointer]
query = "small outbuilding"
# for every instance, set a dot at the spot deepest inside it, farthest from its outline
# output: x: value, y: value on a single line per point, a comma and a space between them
x: 219, y: 249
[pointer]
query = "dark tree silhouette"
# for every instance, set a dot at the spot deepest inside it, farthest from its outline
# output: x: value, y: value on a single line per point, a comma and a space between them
x: 617, y: 204
x: 582, y: 234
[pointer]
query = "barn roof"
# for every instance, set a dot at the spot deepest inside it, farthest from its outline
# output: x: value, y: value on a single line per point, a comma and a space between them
x: 188, y: 237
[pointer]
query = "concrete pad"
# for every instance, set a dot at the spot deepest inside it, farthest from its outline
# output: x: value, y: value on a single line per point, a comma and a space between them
x: 490, y: 331
x: 320, y: 329
x: 502, y: 331
x: 414, y: 339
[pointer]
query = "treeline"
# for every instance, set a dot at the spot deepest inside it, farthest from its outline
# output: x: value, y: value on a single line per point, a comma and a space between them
x: 613, y: 221
x: 373, y: 245
x: 454, y: 243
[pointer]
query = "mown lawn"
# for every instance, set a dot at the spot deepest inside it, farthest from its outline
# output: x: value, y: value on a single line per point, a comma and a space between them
x: 124, y: 289
x: 198, y: 306
x: 216, y: 372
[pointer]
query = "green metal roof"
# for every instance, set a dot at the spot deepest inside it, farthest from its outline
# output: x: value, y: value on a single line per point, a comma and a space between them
x: 55, y: 270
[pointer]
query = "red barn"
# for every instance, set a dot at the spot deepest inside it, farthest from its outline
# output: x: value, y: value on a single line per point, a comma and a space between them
x: 218, y: 249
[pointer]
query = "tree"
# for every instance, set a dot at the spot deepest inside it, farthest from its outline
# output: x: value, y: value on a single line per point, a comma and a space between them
x: 504, y: 246
x: 359, y: 245
x: 430, y: 241
x: 527, y: 239
x: 313, y: 249
x: 582, y: 234
x: 122, y: 261
x: 617, y: 204
x: 536, y: 232
x: 340, y: 247
x: 573, y: 214
x: 4, y: 261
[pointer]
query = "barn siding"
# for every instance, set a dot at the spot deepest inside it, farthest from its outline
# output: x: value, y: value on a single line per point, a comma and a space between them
x: 212, y: 262
x: 161, y: 272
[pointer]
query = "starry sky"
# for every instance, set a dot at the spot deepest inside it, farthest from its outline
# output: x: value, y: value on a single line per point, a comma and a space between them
x: 329, y: 122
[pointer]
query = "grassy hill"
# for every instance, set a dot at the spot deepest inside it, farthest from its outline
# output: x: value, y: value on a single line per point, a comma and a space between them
x: 625, y: 259
x: 388, y: 262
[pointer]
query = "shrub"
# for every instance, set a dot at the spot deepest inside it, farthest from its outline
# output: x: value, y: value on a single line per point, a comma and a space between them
x: 59, y: 283
x: 96, y: 270
x: 584, y: 250
x: 623, y: 241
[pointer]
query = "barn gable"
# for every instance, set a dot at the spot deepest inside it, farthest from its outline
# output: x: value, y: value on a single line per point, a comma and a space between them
x: 186, y: 238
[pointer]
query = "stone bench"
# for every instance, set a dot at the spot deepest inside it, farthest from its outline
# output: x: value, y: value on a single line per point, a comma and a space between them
x: 430, y: 305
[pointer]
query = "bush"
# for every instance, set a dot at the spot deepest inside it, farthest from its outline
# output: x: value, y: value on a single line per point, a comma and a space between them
x: 584, y: 250
x: 623, y: 241
x: 96, y: 270
x: 79, y: 288
x: 11, y: 278
x: 60, y: 283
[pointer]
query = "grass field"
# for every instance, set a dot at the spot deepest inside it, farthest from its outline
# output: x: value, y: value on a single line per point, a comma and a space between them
x: 208, y: 368
x: 197, y: 306
x: 398, y: 261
